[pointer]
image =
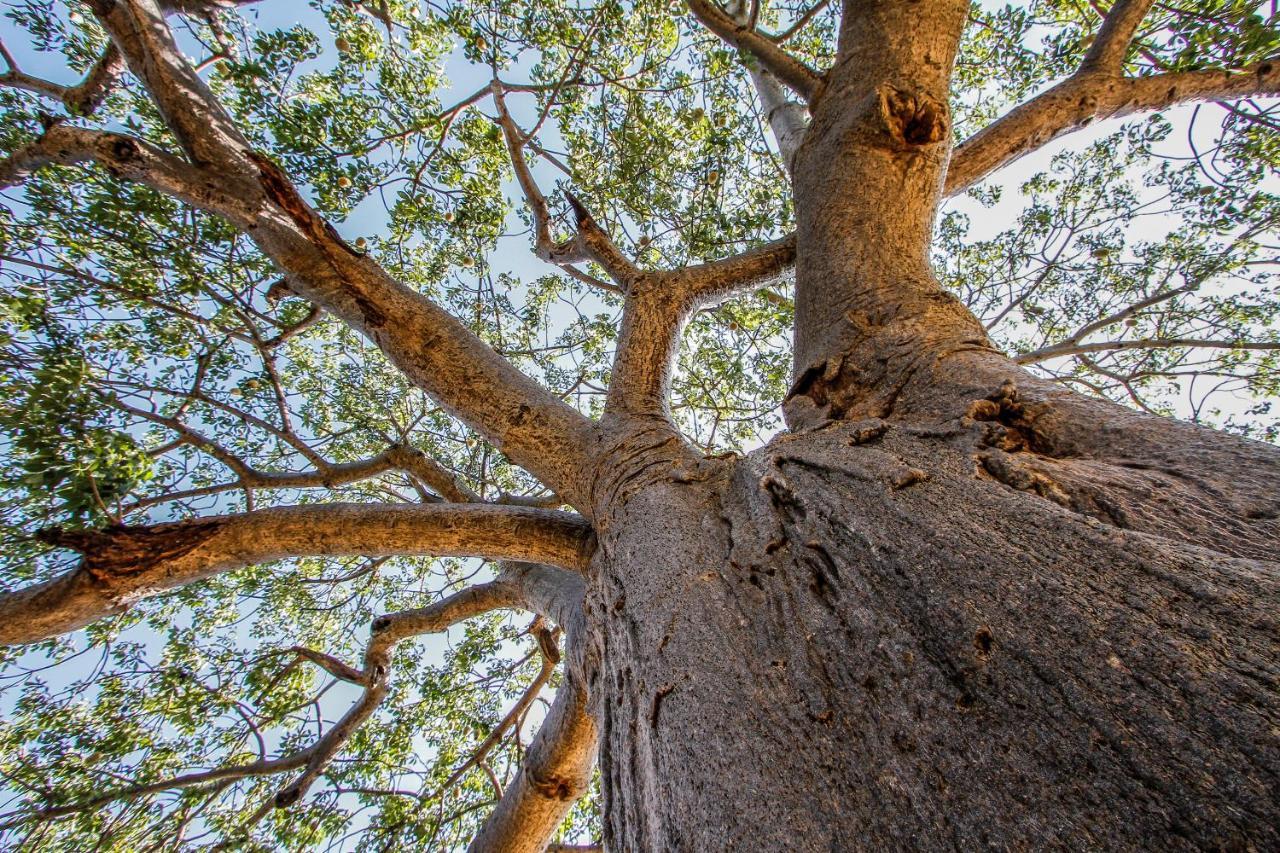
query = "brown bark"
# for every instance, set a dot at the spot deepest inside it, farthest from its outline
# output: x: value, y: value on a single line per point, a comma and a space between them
x: 856, y: 639
x: 123, y: 564
x: 956, y: 606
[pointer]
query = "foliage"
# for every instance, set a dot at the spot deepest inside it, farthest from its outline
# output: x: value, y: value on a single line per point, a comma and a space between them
x: 150, y: 360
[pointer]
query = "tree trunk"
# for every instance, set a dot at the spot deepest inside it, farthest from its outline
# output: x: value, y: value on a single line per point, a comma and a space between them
x: 859, y: 637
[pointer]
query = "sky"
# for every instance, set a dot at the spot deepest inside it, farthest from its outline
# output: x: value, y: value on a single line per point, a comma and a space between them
x: 512, y: 254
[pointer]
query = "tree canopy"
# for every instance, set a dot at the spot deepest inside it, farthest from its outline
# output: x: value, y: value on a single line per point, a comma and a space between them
x: 160, y: 366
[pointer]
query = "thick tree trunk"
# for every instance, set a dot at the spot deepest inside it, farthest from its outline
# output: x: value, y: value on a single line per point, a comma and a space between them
x: 857, y: 637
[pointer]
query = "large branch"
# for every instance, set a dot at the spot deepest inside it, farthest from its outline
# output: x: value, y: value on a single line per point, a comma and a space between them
x: 123, y: 564
x: 1116, y: 34
x: 659, y: 303
x: 1091, y: 96
x: 435, y: 350
x: 203, y: 128
x: 791, y: 71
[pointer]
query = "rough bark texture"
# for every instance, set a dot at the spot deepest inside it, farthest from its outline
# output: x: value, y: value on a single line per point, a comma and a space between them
x: 856, y: 638
x: 956, y: 606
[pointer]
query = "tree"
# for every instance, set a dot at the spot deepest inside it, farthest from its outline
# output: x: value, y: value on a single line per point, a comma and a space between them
x: 982, y: 590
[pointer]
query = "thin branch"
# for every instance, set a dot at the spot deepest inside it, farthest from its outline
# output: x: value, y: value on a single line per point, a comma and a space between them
x: 1060, y: 350
x: 82, y: 99
x: 800, y: 22
x: 330, y: 664
x: 590, y: 242
x: 387, y: 631
x: 550, y: 657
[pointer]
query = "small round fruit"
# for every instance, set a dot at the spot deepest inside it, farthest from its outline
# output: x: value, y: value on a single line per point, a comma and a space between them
x: 344, y: 182
x: 342, y: 44
x: 361, y: 243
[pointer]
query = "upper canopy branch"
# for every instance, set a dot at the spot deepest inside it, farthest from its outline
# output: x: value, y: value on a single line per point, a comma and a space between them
x: 82, y: 99
x: 589, y: 242
x: 788, y: 120
x: 434, y: 349
x: 203, y: 128
x: 122, y: 564
x: 744, y: 36
x: 1092, y: 95
x: 1116, y: 34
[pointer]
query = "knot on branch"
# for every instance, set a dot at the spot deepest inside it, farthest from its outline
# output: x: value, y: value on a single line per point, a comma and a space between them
x: 1010, y: 426
x: 288, y: 797
x: 913, y: 118
x: 122, y: 550
x: 559, y: 788
x: 124, y: 150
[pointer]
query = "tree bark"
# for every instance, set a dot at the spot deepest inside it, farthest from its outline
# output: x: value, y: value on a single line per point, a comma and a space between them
x: 957, y: 605
x: 856, y: 638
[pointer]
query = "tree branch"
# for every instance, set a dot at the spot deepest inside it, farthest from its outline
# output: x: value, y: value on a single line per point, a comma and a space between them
x: 787, y: 119
x: 658, y: 305
x: 124, y: 157
x: 203, y: 128
x: 800, y: 22
x: 1116, y: 34
x: 590, y: 242
x: 82, y: 99
x: 387, y: 632
x: 550, y: 657
x: 1069, y: 348
x: 432, y: 348
x: 1090, y: 96
x: 121, y: 565
x: 791, y: 71
x: 555, y: 774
